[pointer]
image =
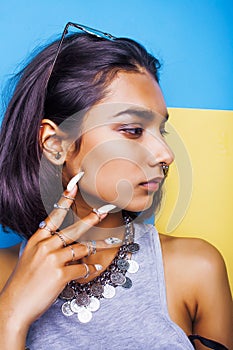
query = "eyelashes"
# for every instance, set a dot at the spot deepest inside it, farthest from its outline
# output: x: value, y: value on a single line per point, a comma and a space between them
x: 131, y: 132
x: 137, y: 132
x: 163, y: 132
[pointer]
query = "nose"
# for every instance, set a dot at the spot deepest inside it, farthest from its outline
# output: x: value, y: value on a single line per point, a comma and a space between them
x: 159, y: 151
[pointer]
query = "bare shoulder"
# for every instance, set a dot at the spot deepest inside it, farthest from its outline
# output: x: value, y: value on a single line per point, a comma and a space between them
x: 196, y: 275
x: 201, y: 260
x: 196, y: 269
x: 8, y: 260
x: 195, y: 253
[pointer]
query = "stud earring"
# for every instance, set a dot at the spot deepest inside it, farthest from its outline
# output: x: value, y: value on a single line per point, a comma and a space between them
x: 58, y: 156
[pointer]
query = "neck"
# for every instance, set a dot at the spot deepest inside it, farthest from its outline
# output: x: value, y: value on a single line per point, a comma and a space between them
x: 112, y: 226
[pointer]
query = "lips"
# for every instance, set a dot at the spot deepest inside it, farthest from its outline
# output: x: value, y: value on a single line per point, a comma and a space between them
x: 152, y: 185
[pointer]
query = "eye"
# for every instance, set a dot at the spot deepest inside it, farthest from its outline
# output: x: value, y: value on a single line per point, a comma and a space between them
x: 131, y: 132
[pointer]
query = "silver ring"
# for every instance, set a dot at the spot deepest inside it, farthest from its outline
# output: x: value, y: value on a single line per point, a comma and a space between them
x: 88, y: 245
x: 43, y: 226
x: 68, y: 197
x: 61, y: 238
x: 93, y: 247
x: 58, y: 206
x: 87, y: 270
x: 73, y: 253
x: 97, y: 213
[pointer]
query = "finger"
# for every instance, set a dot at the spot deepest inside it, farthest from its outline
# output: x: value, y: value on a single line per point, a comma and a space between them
x: 81, y: 272
x: 56, y: 217
x: 78, y: 251
x: 61, y: 208
x: 74, y: 232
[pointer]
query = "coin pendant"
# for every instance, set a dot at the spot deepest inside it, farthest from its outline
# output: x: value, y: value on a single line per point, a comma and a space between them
x: 109, y: 291
x: 113, y: 240
x: 123, y: 264
x: 66, y: 310
x: 83, y: 299
x: 74, y: 306
x: 94, y: 304
x: 128, y: 283
x: 67, y: 293
x: 85, y: 315
x: 133, y: 266
x: 117, y: 278
x: 97, y: 289
x: 133, y: 247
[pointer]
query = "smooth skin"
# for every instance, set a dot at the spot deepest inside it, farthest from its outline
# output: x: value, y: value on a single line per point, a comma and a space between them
x: 198, y: 293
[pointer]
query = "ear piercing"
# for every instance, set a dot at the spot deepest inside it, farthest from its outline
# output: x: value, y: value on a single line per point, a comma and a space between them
x: 58, y: 156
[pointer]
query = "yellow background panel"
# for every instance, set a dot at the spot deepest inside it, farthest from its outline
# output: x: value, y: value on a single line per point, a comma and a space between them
x: 198, y: 199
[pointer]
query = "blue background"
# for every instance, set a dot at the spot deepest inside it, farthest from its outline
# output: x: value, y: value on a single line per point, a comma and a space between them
x: 193, y: 39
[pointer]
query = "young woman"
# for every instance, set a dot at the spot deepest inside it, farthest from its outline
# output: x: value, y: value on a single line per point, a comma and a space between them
x: 83, y: 159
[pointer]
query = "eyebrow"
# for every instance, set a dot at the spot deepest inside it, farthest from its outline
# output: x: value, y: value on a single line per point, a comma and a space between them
x: 142, y: 113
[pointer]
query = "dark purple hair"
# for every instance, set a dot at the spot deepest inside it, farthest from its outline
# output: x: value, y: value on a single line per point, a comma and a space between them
x: 84, y: 68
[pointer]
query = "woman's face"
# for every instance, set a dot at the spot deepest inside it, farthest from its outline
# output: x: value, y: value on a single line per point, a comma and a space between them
x: 123, y: 145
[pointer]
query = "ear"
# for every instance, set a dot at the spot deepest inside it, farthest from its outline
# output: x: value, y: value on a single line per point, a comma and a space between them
x: 53, y: 142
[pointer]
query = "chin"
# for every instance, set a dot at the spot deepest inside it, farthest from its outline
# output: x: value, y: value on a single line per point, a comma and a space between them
x: 139, y: 205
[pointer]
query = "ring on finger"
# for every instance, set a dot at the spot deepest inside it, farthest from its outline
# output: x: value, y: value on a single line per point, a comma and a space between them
x: 68, y: 197
x: 61, y: 238
x: 89, y: 248
x: 43, y: 226
x: 58, y: 206
x: 93, y: 247
x: 73, y: 252
x: 87, y: 270
x: 97, y: 213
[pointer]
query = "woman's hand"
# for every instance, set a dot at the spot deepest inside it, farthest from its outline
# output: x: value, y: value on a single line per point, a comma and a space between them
x: 43, y: 271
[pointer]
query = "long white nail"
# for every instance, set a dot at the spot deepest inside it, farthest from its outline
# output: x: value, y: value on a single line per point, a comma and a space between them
x: 113, y: 240
x: 106, y: 208
x: 98, y: 267
x: 74, y: 180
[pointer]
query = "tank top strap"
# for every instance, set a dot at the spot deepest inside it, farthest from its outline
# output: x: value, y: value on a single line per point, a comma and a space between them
x: 153, y: 240
x: 160, y: 270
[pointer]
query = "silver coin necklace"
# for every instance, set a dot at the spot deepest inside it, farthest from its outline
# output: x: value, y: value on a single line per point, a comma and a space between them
x: 84, y: 299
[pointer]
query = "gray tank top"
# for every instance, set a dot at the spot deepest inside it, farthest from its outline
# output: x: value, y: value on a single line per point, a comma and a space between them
x: 135, y: 319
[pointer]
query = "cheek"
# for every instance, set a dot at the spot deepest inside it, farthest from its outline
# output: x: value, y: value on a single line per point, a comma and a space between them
x: 112, y: 169
x: 116, y: 181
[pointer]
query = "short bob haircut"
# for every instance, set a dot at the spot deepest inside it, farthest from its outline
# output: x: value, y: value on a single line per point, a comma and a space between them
x: 85, y: 67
